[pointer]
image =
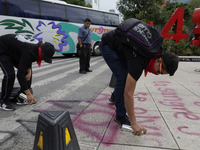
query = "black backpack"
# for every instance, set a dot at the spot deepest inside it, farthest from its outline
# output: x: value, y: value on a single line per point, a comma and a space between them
x: 141, y: 37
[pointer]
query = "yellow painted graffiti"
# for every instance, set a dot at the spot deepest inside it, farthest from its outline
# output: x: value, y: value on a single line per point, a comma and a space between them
x: 55, y: 38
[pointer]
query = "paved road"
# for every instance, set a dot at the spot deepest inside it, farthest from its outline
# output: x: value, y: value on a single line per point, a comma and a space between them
x: 57, y: 87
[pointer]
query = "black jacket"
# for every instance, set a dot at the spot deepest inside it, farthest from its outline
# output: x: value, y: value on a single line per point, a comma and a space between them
x: 22, y: 51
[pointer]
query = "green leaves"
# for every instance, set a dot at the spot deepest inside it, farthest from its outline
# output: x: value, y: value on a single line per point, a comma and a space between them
x: 154, y: 10
x: 146, y: 10
x: 182, y: 48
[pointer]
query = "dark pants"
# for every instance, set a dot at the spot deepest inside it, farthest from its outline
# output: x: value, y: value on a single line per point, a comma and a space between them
x: 119, y: 69
x: 8, y: 79
x: 84, y: 60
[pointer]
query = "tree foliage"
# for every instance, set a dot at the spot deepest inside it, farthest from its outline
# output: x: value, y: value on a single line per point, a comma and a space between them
x: 194, y: 4
x: 78, y: 2
x: 170, y: 8
x: 153, y: 10
x: 145, y: 10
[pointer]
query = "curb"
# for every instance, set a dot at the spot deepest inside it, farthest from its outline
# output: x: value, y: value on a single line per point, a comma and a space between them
x: 189, y: 58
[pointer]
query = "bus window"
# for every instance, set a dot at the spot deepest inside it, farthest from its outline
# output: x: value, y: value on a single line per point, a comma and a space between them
x: 2, y: 7
x: 77, y: 15
x: 23, y: 8
x: 111, y: 19
x: 96, y: 17
x: 52, y: 11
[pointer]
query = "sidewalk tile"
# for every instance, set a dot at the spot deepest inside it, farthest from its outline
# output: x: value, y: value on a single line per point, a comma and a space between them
x: 88, y: 145
x: 185, y: 128
x: 92, y: 123
x: 175, y: 102
x: 126, y: 147
x: 157, y: 134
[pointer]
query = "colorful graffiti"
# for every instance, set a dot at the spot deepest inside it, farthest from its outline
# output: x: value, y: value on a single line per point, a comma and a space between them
x: 50, y: 31
x: 73, y: 28
x: 61, y: 43
x: 25, y: 27
x: 100, y: 30
x: 18, y: 26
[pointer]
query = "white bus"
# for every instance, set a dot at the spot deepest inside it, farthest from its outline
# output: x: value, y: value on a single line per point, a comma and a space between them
x: 54, y: 22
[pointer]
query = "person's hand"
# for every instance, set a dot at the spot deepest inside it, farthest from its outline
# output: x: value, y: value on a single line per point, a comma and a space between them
x: 138, y: 129
x: 31, y: 99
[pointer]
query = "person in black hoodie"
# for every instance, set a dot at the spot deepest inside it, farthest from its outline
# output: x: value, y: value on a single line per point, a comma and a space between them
x: 20, y: 52
x: 128, y: 63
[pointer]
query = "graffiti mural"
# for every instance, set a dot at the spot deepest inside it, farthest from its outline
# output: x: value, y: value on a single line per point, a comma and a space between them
x: 41, y: 35
x: 63, y: 35
x: 18, y: 26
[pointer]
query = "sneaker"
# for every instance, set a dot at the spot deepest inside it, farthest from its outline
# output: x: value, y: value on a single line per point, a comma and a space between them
x: 7, y: 107
x: 22, y: 99
x: 112, y: 98
x: 88, y: 70
x: 82, y: 72
x: 122, y: 120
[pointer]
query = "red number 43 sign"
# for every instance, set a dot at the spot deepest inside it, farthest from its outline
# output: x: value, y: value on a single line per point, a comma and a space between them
x: 177, y: 20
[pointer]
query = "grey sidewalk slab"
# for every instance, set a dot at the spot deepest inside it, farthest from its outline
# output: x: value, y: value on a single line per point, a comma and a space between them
x: 96, y: 124
x: 158, y: 134
x: 185, y: 128
x: 88, y: 145
x: 92, y: 124
x: 127, y: 147
x: 178, y: 103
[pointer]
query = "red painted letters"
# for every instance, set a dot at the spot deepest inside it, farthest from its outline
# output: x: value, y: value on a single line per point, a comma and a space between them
x: 196, y: 19
x: 177, y: 19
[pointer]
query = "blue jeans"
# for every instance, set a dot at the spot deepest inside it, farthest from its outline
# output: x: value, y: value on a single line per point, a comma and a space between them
x: 119, y: 69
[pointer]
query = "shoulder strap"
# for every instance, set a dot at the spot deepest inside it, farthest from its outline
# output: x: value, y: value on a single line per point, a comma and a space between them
x: 86, y: 35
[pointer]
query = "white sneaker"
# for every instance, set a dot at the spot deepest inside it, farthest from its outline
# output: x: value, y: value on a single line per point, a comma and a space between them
x: 22, y: 99
x: 7, y: 107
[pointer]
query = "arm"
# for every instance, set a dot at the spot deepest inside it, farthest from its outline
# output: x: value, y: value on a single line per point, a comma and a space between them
x: 24, y: 73
x: 79, y: 36
x: 129, y: 104
x: 30, y: 98
x: 79, y: 41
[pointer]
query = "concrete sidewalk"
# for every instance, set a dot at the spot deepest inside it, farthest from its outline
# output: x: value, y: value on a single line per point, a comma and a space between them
x: 169, y: 107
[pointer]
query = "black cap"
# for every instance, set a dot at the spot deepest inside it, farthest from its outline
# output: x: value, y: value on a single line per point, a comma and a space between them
x: 48, y: 51
x: 171, y: 62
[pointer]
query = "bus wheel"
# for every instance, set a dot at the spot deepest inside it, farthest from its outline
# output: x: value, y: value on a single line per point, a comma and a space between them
x: 96, y: 51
